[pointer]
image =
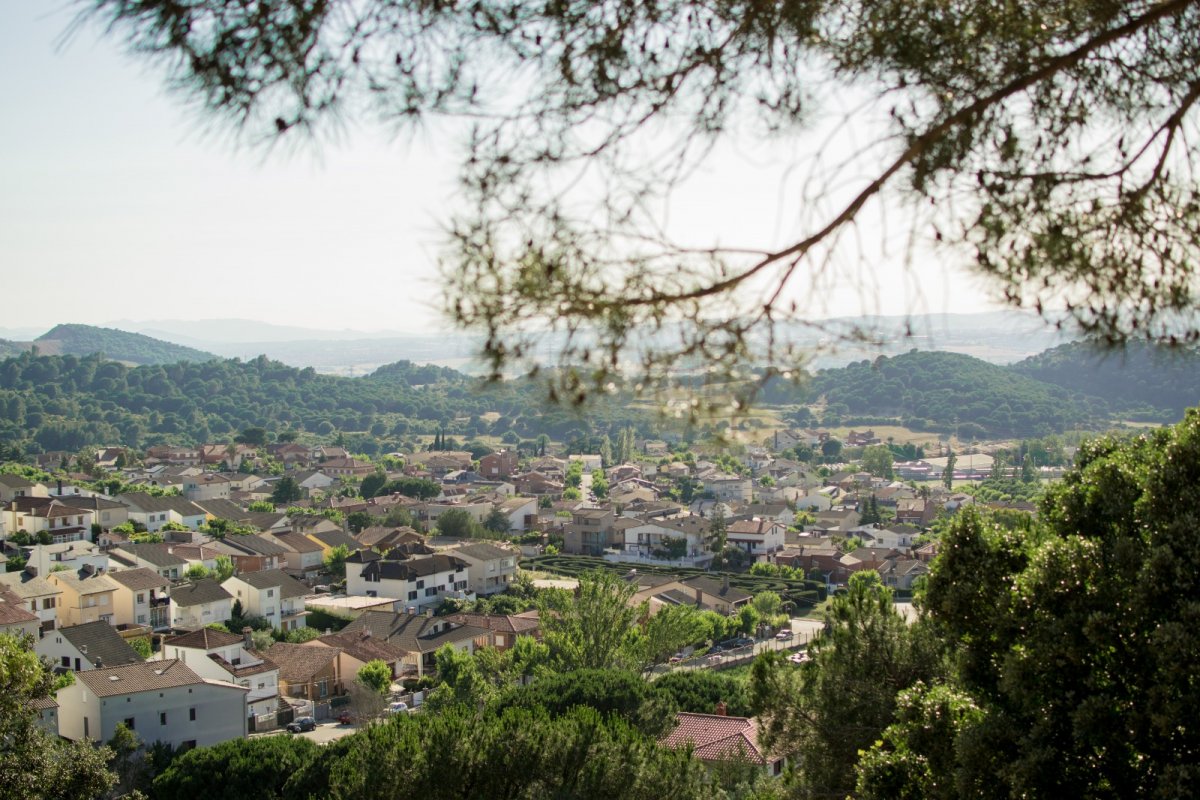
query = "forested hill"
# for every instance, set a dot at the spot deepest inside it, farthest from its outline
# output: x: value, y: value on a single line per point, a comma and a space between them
x: 951, y: 391
x: 69, y: 402
x: 1140, y: 381
x: 134, y: 348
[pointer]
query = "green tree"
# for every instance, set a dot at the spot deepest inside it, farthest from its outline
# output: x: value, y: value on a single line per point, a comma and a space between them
x: 375, y: 675
x: 948, y: 472
x: 1072, y: 639
x: 497, y: 522
x: 372, y: 485
x: 594, y: 628
x: 259, y: 506
x: 254, y: 769
x: 286, y: 491
x: 669, y: 630
x: 335, y: 559
x: 823, y: 713
x: 457, y: 523
x: 878, y: 460
x: 700, y: 690
x: 196, y: 571
x: 610, y: 692
x: 34, y: 764
x: 256, y: 437
x: 142, y: 645
x: 224, y: 568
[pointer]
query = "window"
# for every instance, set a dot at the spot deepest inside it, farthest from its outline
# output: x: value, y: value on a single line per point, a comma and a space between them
x: 129, y: 723
x: 103, y: 599
x: 430, y: 592
x: 162, y: 718
x: 412, y: 595
x: 322, y: 688
x: 49, y: 602
x: 192, y: 714
x: 420, y: 584
x: 141, y: 619
x: 141, y: 598
x: 270, y: 592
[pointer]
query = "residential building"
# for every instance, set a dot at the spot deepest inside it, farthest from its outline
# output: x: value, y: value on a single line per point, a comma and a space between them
x: 303, y: 556
x: 93, y: 645
x: 14, y: 486
x: 720, y: 739
x: 217, y: 655
x: 490, y: 568
x: 501, y: 464
x: 157, y: 556
x: 311, y: 673
x: 160, y: 701
x: 142, y: 598
x: 63, y: 522
x: 271, y: 594
x: 757, y: 537
x: 87, y: 595
x: 15, y: 619
x: 418, y: 635
x: 196, y: 604
x: 39, y: 596
x: 154, y: 512
x: 419, y: 582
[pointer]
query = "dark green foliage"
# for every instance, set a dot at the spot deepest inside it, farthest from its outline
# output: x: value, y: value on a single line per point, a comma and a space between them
x: 1075, y: 637
x: 518, y: 753
x: 240, y: 769
x: 610, y: 692
x: 136, y: 348
x: 699, y: 691
x: 1140, y: 381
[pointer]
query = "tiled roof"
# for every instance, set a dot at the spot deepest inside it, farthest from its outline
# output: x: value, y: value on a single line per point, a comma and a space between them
x: 150, y: 503
x: 84, y: 582
x: 204, y: 639
x: 222, y: 509
x: 160, y: 554
x: 411, y: 632
x: 258, y: 545
x: 500, y: 623
x: 274, y: 578
x: 139, y: 579
x: 335, y: 538
x: 483, y: 551
x: 298, y: 663
x: 198, y: 593
x: 717, y: 589
x: 101, y: 643
x: 12, y: 610
x: 149, y: 676
x: 297, y: 543
x: 413, y: 568
x: 24, y: 585
x: 362, y: 647
x: 714, y: 737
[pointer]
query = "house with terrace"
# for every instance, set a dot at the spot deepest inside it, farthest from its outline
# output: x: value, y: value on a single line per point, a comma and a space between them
x: 196, y: 604
x: 220, y: 656
x: 88, y: 595
x: 271, y: 594
x: 142, y: 599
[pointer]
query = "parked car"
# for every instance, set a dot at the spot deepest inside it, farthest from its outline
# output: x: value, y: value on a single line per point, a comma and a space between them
x: 301, y: 724
x: 398, y: 708
x: 735, y: 643
x: 784, y: 635
x: 345, y: 717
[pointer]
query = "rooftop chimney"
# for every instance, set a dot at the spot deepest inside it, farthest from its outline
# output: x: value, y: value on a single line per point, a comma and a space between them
x: 247, y: 640
x: 31, y: 570
x: 99, y: 662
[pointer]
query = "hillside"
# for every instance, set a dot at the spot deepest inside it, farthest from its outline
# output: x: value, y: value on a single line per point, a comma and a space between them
x: 1140, y: 381
x: 134, y: 348
x: 67, y: 402
x: 952, y: 392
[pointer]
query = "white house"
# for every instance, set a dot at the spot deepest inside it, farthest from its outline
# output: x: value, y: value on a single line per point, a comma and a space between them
x: 417, y: 582
x: 41, y: 597
x: 217, y: 655
x: 757, y: 537
x: 93, y: 645
x: 655, y: 537
x: 271, y: 594
x: 47, y: 558
x: 154, y: 512
x: 194, y: 605
x: 160, y: 701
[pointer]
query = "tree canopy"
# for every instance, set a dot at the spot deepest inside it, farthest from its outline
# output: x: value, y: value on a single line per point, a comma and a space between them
x: 1048, y: 145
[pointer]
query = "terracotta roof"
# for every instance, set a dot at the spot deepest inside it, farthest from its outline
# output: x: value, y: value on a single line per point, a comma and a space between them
x: 12, y: 610
x: 139, y: 579
x: 204, y: 639
x: 101, y: 643
x: 361, y: 646
x: 714, y: 737
x: 149, y: 676
x: 500, y: 623
x: 297, y: 662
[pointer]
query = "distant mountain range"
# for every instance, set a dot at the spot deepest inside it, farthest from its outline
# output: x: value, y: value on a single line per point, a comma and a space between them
x: 998, y: 337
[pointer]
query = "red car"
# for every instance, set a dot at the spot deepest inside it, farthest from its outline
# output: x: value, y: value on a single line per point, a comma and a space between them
x: 345, y: 717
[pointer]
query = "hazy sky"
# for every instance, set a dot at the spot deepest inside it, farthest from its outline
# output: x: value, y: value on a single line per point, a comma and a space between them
x: 115, y: 205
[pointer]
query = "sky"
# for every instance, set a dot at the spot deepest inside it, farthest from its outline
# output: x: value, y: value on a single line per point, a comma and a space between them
x: 118, y: 203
